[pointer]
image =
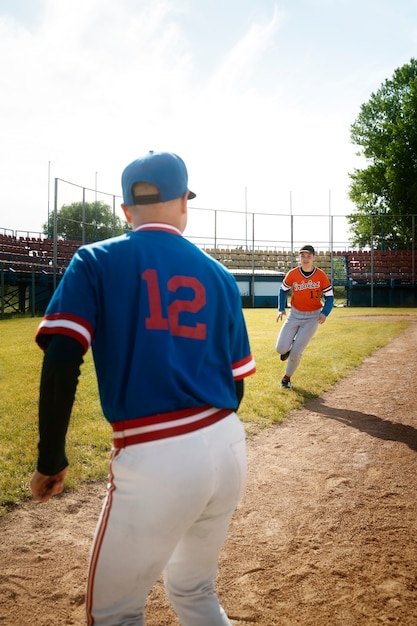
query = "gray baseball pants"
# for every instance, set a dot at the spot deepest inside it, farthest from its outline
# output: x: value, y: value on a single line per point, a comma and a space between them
x: 296, y: 332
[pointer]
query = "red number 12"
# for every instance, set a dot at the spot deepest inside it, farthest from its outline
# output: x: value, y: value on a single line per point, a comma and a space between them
x: 156, y: 321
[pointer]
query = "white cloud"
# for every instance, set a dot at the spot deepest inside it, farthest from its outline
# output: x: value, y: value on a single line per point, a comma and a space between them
x: 256, y: 97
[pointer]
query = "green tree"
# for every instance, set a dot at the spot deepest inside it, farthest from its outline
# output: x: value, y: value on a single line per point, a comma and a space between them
x: 92, y: 221
x: 385, y: 192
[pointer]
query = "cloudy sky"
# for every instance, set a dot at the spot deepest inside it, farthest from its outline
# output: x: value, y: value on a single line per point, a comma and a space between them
x: 257, y: 96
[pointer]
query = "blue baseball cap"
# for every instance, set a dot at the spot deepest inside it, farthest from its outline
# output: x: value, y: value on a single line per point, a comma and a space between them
x: 164, y: 170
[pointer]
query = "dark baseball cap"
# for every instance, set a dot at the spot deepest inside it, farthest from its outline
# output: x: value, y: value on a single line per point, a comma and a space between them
x: 307, y: 249
x: 164, y: 170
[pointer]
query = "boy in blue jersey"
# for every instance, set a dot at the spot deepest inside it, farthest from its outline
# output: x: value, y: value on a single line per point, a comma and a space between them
x: 171, y: 350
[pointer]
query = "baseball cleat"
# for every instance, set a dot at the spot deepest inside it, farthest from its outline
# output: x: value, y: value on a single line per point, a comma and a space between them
x: 285, y: 356
x: 286, y: 383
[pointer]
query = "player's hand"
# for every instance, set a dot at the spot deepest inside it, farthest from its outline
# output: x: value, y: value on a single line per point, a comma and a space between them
x: 44, y: 487
x: 322, y: 318
x: 280, y: 316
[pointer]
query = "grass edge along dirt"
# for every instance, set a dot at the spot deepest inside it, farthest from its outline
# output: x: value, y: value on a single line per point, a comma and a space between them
x: 341, y: 344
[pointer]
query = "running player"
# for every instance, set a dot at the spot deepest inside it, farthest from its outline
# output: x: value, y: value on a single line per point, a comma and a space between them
x: 171, y: 350
x: 308, y: 284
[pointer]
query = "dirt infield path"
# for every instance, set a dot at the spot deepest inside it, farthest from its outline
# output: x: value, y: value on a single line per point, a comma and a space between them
x: 326, y: 534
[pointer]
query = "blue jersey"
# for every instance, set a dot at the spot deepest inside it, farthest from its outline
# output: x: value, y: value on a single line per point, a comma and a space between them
x: 166, y: 328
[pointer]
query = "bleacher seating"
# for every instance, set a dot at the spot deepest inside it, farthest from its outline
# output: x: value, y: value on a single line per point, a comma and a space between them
x: 261, y: 260
x: 359, y: 266
x: 381, y: 266
x: 27, y: 254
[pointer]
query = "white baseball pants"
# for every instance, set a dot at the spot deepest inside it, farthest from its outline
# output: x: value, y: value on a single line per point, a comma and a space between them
x: 168, y: 508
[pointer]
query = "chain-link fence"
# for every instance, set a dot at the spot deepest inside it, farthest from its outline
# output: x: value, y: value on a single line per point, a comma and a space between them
x: 258, y: 248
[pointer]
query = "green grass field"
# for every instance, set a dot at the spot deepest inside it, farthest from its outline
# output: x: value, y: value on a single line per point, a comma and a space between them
x: 341, y: 344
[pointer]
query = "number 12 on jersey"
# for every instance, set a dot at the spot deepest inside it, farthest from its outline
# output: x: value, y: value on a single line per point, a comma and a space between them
x: 156, y: 320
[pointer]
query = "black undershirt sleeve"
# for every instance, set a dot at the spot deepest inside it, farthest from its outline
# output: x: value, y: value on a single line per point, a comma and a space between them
x: 59, y: 379
x: 239, y: 391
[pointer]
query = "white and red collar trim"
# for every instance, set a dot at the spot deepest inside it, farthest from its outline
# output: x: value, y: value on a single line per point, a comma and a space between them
x: 159, y: 226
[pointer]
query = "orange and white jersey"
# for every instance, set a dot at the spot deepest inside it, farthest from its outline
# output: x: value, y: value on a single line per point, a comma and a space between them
x: 307, y: 289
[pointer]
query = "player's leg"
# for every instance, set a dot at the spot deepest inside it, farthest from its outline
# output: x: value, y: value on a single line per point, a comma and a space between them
x: 192, y: 569
x: 112, y: 596
x: 287, y: 333
x: 306, y: 331
x: 160, y: 489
